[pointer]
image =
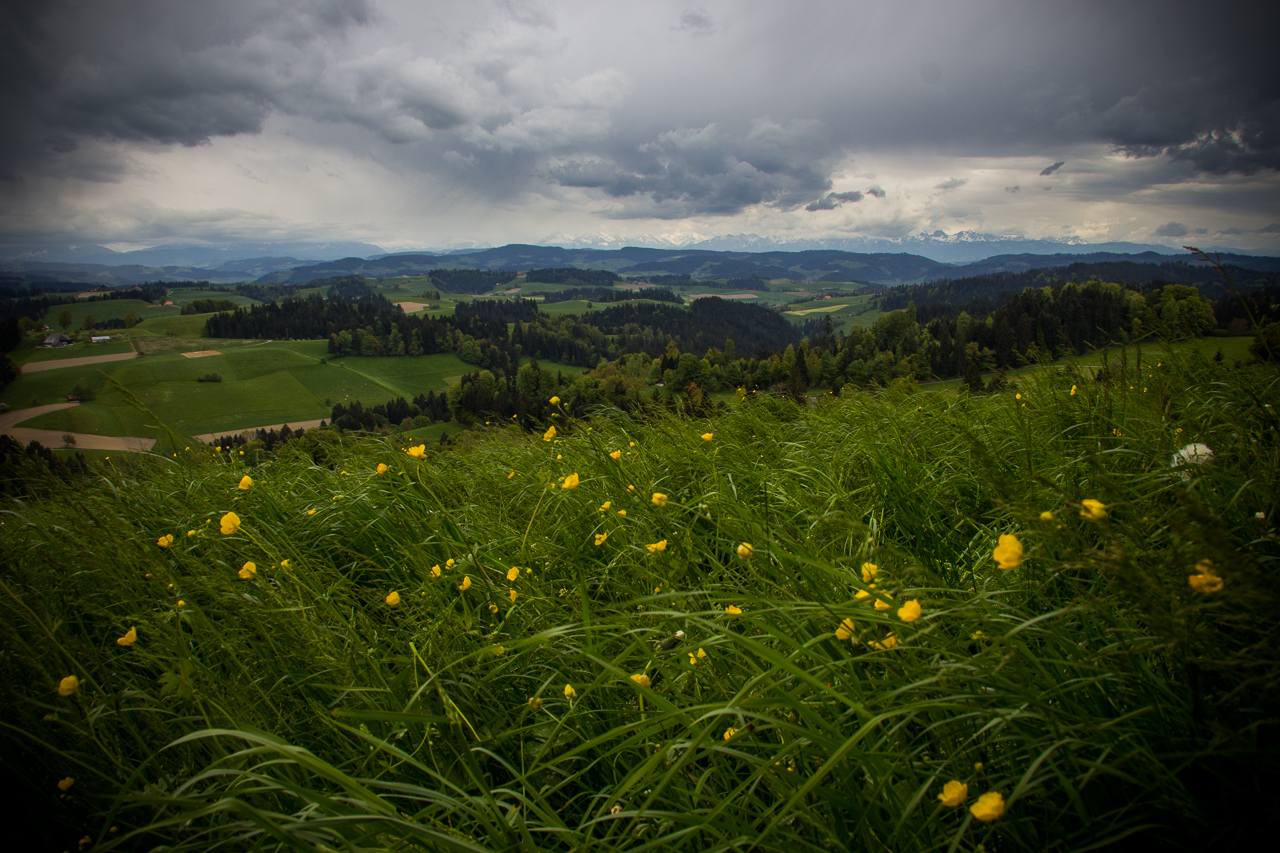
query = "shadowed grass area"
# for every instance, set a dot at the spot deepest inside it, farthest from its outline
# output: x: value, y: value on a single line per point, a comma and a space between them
x: 477, y: 649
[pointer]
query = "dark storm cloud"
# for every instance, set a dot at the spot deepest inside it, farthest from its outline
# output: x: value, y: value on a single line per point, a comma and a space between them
x: 1273, y: 228
x: 833, y: 200
x: 1049, y: 170
x: 709, y: 170
x: 876, y: 191
x: 153, y: 71
x: 1172, y: 229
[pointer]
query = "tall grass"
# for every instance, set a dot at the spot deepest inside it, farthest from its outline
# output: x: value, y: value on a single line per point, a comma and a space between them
x: 1106, y: 700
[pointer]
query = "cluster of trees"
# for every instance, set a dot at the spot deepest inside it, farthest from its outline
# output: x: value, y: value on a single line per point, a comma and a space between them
x: 270, y: 439
x: 422, y: 410
x: 470, y: 281
x: 208, y: 306
x: 34, y: 469
x: 608, y: 294
x: 574, y: 276
x: 705, y: 324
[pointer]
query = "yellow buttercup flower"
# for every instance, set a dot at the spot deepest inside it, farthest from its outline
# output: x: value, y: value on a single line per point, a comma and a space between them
x: 659, y: 499
x: 65, y: 784
x: 550, y: 433
x: 68, y: 685
x: 493, y: 608
x: 569, y: 692
x: 230, y: 523
x: 165, y: 541
x: 707, y: 436
x: 1207, y: 581
x: 889, y: 642
x: 660, y: 545
x: 130, y: 637
x: 862, y: 593
x: 285, y: 564
x: 883, y: 605
x: 190, y: 533
x: 1093, y: 510
x: 570, y: 482
x: 435, y: 570
x: 988, y: 807
x: 450, y: 563
x: 615, y: 455
x: 1008, y: 554
x: 910, y: 611
x: 604, y: 506
x: 417, y: 452
x: 846, y: 629
x: 869, y: 572
x: 512, y: 474
x: 466, y: 583
x: 181, y: 604
x: 729, y: 733
x: 513, y: 573
x: 622, y: 512
x: 248, y: 571
x: 558, y: 456
x: 641, y: 679
x: 511, y: 593
x: 535, y: 703
x: 382, y: 468
x: 632, y: 444
x: 393, y: 598
x: 1046, y: 516
x: 953, y: 793
x: 733, y: 610
x: 555, y: 401
x: 745, y: 550
x: 1073, y: 390
x: 600, y: 537
x: 246, y: 483
x: 311, y: 512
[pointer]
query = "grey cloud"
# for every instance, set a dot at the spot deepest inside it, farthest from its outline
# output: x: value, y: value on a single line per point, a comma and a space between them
x: 1049, y: 170
x: 1013, y: 189
x: 154, y: 72
x: 952, y: 183
x: 1172, y: 229
x: 697, y: 21
x: 876, y: 191
x: 1273, y: 228
x: 833, y: 200
x: 1231, y: 232
x: 709, y: 170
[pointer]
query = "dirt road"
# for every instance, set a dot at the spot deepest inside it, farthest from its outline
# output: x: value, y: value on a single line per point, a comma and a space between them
x: 53, y: 438
x: 211, y: 437
x: 36, y: 366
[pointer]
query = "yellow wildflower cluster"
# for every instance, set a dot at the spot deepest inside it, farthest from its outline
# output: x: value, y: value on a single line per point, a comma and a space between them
x: 1008, y: 553
x: 1207, y: 580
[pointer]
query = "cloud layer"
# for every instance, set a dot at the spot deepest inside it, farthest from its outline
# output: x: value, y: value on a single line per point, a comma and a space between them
x: 670, y: 112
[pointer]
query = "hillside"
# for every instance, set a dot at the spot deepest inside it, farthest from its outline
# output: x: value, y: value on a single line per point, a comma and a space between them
x: 890, y: 621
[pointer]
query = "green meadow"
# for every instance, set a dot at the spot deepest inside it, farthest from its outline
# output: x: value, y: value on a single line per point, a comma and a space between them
x: 887, y: 621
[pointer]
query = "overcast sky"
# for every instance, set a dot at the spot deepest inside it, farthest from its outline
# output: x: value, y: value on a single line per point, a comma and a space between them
x: 414, y: 124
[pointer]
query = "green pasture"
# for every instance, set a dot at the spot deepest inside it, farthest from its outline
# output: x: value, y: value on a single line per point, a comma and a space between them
x: 107, y: 309
x: 30, y: 350
x: 262, y: 384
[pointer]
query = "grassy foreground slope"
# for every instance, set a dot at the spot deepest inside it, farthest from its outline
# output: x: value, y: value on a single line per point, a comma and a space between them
x: 467, y: 652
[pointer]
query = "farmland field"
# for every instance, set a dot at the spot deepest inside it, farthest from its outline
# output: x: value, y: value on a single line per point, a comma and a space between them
x: 262, y: 383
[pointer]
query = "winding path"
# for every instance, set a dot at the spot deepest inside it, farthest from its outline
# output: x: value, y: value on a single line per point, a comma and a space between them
x: 53, y: 438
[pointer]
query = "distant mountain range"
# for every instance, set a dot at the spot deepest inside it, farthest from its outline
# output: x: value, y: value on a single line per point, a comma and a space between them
x: 959, y: 248
x: 230, y: 263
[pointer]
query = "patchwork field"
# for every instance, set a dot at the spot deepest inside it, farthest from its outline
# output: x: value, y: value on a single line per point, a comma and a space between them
x: 262, y: 384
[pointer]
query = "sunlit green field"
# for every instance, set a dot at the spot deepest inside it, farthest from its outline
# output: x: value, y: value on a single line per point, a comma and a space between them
x: 891, y: 621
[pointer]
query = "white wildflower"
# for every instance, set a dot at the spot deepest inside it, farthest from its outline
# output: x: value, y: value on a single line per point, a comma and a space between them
x: 1193, y: 454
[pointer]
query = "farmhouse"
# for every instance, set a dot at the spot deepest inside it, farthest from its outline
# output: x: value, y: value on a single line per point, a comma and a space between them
x: 56, y: 339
